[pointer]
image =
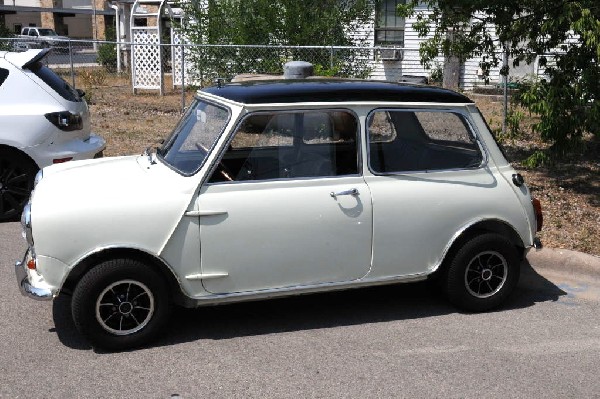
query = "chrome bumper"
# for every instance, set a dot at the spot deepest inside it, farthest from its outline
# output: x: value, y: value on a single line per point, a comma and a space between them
x: 29, y: 288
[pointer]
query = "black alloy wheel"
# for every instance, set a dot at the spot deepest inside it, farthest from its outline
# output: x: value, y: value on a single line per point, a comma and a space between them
x: 16, y: 182
x: 482, y: 273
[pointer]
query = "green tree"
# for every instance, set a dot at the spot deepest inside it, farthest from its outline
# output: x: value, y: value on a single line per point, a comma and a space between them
x: 566, y: 36
x: 275, y: 23
x: 5, y: 45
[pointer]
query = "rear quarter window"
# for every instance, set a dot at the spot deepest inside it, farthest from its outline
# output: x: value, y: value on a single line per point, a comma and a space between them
x: 57, y: 83
x: 404, y: 140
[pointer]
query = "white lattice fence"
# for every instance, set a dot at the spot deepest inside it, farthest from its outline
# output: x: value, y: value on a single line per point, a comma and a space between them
x: 146, y: 62
x: 180, y: 60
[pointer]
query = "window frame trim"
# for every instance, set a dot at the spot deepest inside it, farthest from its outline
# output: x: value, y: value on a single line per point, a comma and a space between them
x: 471, y: 128
x: 244, y: 116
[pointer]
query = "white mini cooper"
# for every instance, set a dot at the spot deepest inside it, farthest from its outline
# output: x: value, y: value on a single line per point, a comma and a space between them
x: 277, y: 188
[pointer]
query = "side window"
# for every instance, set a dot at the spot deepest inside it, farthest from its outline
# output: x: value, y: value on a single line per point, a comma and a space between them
x: 288, y: 145
x: 403, y: 141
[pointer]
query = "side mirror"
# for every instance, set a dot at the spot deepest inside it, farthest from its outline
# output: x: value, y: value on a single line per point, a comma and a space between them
x: 81, y: 93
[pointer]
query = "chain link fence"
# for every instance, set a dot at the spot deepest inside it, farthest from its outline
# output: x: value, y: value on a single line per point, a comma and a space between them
x: 179, y: 67
x: 187, y: 65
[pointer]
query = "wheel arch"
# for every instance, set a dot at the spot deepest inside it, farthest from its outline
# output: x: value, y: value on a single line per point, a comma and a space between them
x: 479, y: 227
x: 160, y: 266
x: 20, y: 153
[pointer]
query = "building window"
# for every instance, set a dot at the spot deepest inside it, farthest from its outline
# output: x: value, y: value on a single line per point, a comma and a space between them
x: 140, y: 21
x: 389, y: 28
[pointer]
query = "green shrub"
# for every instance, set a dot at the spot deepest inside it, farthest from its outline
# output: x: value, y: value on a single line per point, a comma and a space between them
x: 5, y: 45
x: 107, y: 52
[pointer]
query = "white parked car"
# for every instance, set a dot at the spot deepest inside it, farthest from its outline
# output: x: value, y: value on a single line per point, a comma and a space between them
x: 268, y: 189
x: 43, y: 120
x: 37, y: 37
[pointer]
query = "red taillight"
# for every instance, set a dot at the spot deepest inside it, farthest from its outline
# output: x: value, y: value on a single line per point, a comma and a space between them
x: 31, y: 264
x: 61, y: 160
x: 65, y: 120
x: 539, y: 217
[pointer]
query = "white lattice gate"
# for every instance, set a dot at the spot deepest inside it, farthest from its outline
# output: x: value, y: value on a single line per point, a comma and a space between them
x: 180, y: 59
x: 147, y: 69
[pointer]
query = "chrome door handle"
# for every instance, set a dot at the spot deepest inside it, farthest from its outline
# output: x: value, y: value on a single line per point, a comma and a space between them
x: 352, y: 191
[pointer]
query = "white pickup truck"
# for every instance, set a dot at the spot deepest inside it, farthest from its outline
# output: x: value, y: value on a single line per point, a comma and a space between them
x: 36, y: 37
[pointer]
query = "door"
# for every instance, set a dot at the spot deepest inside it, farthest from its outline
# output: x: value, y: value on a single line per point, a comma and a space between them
x: 429, y: 181
x: 286, y: 206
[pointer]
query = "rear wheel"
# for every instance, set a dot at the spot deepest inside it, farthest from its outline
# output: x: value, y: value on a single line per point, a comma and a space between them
x: 120, y: 304
x: 17, y: 173
x: 482, y: 273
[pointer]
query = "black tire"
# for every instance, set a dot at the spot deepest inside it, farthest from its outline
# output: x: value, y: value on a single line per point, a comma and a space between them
x: 17, y: 173
x: 120, y: 304
x: 482, y: 273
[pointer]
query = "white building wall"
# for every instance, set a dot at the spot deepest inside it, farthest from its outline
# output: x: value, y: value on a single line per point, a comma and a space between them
x: 80, y: 26
x: 471, y: 76
x: 412, y: 60
x: 77, y: 4
x: 410, y: 64
x: 13, y: 21
x: 22, y: 3
x: 540, y: 70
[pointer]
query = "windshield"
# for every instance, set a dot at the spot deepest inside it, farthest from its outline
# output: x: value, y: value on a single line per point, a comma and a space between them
x: 194, y: 136
x: 47, y: 32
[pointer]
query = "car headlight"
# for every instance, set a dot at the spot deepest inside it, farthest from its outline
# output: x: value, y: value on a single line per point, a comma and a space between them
x: 26, y: 224
x: 38, y: 177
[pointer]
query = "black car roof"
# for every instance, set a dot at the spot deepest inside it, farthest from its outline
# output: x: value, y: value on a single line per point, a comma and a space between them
x: 328, y: 90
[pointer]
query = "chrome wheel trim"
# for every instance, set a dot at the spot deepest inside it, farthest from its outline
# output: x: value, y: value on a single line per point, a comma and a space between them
x: 125, y: 307
x: 486, y: 274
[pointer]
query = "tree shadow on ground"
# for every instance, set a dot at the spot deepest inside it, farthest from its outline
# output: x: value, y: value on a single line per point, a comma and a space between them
x: 316, y: 311
x: 577, y: 172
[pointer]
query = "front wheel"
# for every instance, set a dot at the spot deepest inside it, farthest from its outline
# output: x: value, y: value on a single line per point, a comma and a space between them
x: 482, y: 273
x: 120, y: 304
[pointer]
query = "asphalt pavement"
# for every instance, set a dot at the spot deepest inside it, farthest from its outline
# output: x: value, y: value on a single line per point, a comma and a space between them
x: 402, y: 341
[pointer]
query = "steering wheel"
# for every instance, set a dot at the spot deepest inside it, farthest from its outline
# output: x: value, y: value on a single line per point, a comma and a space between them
x: 221, y: 169
x: 224, y: 171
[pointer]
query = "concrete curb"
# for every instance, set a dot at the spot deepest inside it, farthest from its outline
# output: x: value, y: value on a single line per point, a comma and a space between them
x: 566, y: 262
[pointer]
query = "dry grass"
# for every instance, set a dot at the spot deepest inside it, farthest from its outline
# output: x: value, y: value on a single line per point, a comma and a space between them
x: 569, y: 192
x: 130, y: 123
